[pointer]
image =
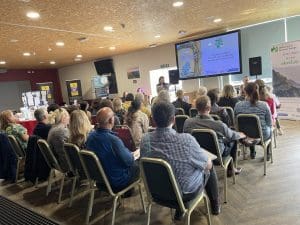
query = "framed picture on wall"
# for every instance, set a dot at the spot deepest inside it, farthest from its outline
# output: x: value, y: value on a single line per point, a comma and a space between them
x: 133, y: 73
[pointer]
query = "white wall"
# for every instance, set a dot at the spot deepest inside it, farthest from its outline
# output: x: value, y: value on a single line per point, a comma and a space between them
x: 146, y: 60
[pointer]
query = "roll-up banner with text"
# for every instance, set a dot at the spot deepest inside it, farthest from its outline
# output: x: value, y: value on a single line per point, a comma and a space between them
x: 74, y: 90
x: 286, y: 78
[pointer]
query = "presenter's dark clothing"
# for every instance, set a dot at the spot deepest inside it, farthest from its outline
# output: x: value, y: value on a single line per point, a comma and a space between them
x: 42, y: 130
x: 116, y: 159
x: 179, y: 103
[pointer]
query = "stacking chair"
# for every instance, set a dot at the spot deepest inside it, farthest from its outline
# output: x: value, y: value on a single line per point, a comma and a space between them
x: 179, y: 111
x: 275, y: 134
x: 18, y: 152
x: 95, y: 174
x: 250, y: 125
x: 179, y: 122
x: 208, y: 140
x: 193, y: 112
x: 53, y: 165
x: 230, y: 112
x: 163, y: 189
x: 125, y: 135
x: 75, y: 165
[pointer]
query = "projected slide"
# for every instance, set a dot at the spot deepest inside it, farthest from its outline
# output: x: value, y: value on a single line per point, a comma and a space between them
x: 220, y: 55
x: 189, y: 59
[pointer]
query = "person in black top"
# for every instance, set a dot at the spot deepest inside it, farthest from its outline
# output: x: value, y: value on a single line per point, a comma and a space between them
x: 228, y: 97
x: 180, y: 103
x: 42, y: 128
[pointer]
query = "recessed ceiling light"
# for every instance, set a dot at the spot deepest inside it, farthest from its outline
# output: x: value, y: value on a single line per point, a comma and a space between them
x: 77, y: 59
x: 52, y: 62
x: 42, y: 62
x: 217, y: 20
x: 26, y: 54
x: 49, y: 49
x: 101, y: 47
x: 112, y: 48
x: 108, y: 28
x: 60, y: 44
x: 2, y: 62
x: 24, y: 0
x: 14, y: 40
x: 78, y: 56
x: 177, y: 4
x: 157, y: 36
x: 33, y: 15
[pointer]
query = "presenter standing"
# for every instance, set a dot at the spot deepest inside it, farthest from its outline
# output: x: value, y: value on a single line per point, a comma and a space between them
x: 162, y: 85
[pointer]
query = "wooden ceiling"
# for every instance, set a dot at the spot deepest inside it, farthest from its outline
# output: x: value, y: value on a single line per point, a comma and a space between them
x: 135, y: 24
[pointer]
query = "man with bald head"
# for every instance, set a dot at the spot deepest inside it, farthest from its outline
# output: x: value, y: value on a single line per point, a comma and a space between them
x: 116, y: 159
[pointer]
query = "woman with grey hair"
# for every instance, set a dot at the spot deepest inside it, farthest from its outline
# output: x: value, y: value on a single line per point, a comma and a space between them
x: 43, y: 127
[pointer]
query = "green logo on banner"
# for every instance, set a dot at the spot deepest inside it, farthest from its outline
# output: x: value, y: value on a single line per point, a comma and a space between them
x: 274, y: 49
x: 219, y: 42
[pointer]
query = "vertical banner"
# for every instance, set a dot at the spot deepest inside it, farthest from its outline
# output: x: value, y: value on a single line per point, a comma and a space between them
x: 74, y: 90
x: 286, y: 78
x: 47, y: 91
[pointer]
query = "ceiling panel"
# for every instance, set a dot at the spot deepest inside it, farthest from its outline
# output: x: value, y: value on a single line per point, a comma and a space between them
x: 135, y: 24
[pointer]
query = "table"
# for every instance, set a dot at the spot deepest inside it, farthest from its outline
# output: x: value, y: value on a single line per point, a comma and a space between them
x: 29, y: 125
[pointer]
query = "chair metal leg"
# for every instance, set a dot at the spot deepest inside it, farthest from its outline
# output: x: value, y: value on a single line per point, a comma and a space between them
x: 36, y: 182
x: 90, y: 206
x: 233, y: 172
x: 61, y: 189
x: 265, y: 160
x: 17, y: 170
x: 244, y: 152
x: 142, y: 199
x: 271, y: 152
x: 114, y: 209
x: 274, y: 137
x: 149, y: 213
x: 207, y: 209
x: 188, y: 218
x: 225, y: 185
x: 48, y: 190
x: 73, y: 190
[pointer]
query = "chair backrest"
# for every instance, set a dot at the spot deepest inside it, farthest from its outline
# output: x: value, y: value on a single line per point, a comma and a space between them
x: 48, y: 155
x: 215, y: 117
x: 250, y: 125
x: 94, y: 170
x: 179, y: 111
x: 74, y: 159
x: 230, y: 113
x: 125, y: 135
x: 160, y: 183
x: 208, y: 139
x: 193, y: 112
x: 179, y: 122
x: 18, y: 150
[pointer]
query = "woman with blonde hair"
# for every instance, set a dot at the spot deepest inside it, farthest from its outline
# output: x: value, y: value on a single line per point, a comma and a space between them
x: 9, y: 126
x: 228, y: 97
x: 79, y: 127
x: 118, y: 109
x: 58, y: 135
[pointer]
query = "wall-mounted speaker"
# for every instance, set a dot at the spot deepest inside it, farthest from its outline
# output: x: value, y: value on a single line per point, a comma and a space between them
x: 174, y: 76
x: 255, y: 66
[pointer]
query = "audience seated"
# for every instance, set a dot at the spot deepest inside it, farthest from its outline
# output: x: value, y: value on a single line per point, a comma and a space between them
x: 228, y: 97
x: 162, y: 96
x: 52, y: 107
x: 117, y: 161
x: 192, y: 167
x: 137, y: 121
x: 252, y: 105
x: 201, y: 91
x: 79, y: 127
x: 8, y: 123
x: 84, y: 106
x: 118, y: 109
x: 278, y: 105
x: 227, y: 137
x: 140, y: 97
x: 242, y: 94
x: 108, y: 103
x: 59, y: 134
x: 95, y: 106
x: 216, y: 109
x: 128, y: 99
x: 42, y: 128
x: 180, y: 103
